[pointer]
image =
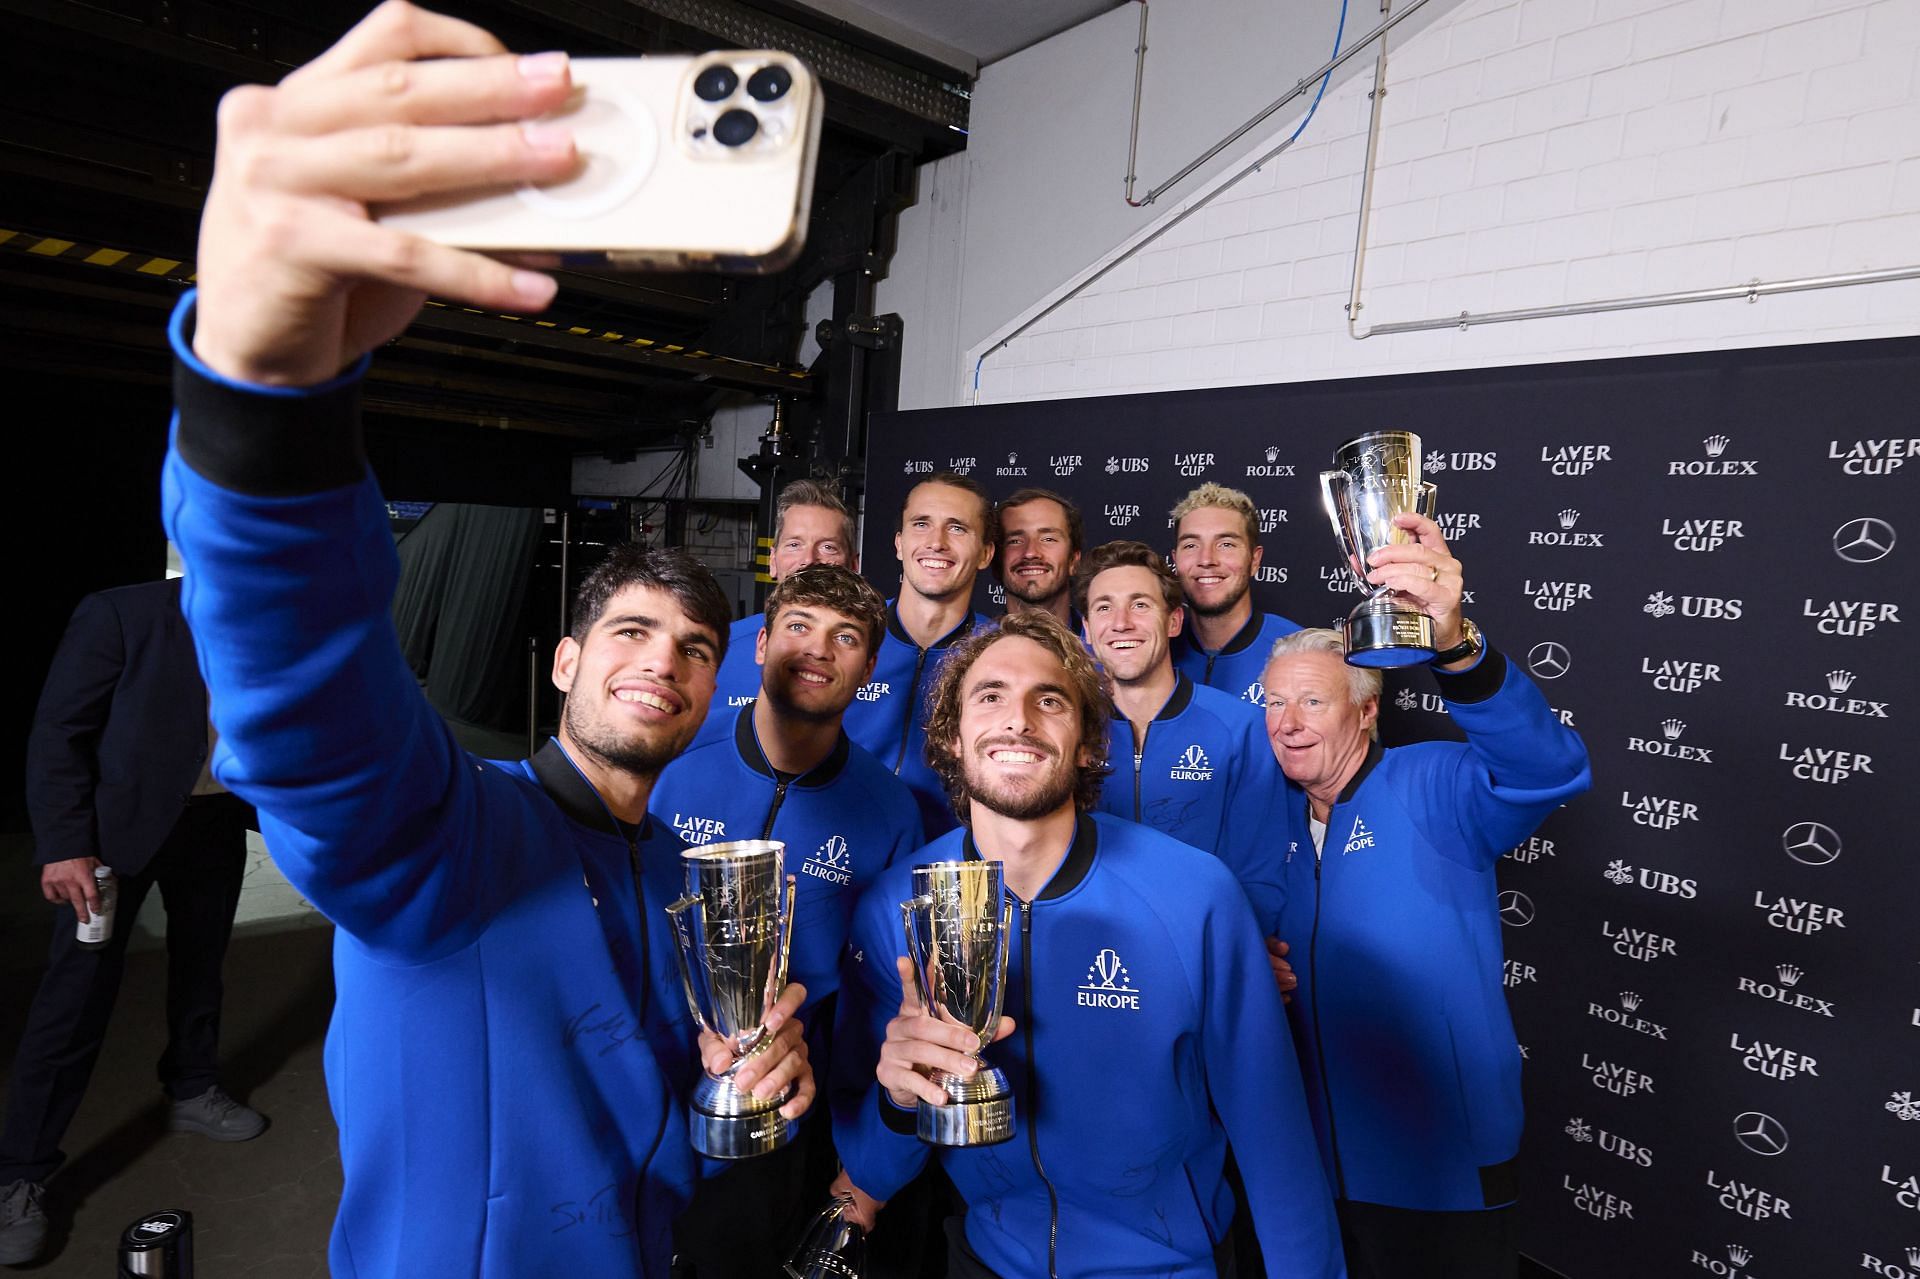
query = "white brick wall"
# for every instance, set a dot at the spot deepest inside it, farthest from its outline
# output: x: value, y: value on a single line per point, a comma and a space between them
x: 1533, y: 152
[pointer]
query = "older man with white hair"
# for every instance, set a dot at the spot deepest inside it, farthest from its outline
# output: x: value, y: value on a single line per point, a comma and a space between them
x: 1406, y: 1047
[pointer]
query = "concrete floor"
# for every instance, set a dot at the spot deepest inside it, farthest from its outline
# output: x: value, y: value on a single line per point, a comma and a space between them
x: 261, y: 1208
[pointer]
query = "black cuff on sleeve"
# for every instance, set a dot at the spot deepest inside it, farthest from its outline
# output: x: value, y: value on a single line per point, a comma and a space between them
x: 1478, y: 682
x: 267, y: 444
x: 903, y: 1121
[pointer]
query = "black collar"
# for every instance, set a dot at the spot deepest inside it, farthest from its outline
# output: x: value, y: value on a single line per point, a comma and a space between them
x: 1179, y: 699
x: 1079, y: 859
x: 1374, y: 753
x: 898, y: 630
x: 569, y: 788
x: 746, y: 741
x: 1243, y: 639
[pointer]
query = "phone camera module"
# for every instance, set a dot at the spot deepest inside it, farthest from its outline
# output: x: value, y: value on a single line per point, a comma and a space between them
x: 769, y: 84
x: 716, y: 83
x: 735, y: 128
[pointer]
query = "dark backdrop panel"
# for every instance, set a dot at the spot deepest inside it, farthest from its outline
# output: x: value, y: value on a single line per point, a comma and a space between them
x: 1709, y: 561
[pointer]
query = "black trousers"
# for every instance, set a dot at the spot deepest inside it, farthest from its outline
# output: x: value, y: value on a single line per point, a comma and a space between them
x: 743, y: 1222
x: 1406, y: 1243
x: 964, y: 1263
x: 198, y: 871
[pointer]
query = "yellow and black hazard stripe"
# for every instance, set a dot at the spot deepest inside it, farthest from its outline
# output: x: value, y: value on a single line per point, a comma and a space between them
x: 153, y: 265
x: 49, y: 246
x: 762, y: 559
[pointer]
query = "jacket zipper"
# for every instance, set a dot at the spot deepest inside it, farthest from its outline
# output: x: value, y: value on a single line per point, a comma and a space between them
x: 640, y: 901
x: 913, y: 691
x: 1136, y: 779
x: 779, y: 798
x: 1208, y: 677
x: 1033, y: 1134
x: 1319, y: 1045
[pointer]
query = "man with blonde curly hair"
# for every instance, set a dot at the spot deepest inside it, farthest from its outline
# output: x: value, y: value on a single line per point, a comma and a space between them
x: 1129, y: 949
x: 1217, y: 552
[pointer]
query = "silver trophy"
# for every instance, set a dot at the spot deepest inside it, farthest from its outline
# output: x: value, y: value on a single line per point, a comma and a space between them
x: 958, y: 923
x: 832, y: 1248
x: 734, y: 930
x: 1373, y: 479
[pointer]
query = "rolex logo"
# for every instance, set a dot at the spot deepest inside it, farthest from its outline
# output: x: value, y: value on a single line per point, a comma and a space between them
x: 1913, y: 1255
x: 1738, y: 1254
x: 1569, y: 518
x: 1673, y: 728
x: 1789, y: 975
x: 1840, y: 681
x: 1629, y: 1000
x: 1273, y: 452
x: 1716, y: 445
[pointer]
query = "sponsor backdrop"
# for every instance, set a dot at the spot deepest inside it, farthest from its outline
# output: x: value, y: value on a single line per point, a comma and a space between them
x: 1711, y: 563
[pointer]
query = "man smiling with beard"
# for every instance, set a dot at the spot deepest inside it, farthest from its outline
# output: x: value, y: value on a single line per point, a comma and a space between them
x: 945, y: 539
x: 1216, y: 552
x: 1039, y: 535
x: 785, y: 770
x: 1143, y: 1027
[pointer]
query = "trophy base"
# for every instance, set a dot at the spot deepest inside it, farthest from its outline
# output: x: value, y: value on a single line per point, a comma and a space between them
x: 726, y: 1123
x: 979, y: 1110
x: 1380, y: 635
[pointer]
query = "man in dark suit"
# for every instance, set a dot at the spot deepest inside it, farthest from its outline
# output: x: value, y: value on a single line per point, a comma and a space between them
x: 117, y: 776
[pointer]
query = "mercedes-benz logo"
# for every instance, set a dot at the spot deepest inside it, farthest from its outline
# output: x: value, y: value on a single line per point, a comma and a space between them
x: 1516, y: 909
x: 1863, y: 540
x: 1549, y: 660
x: 1811, y: 843
x: 1762, y: 1134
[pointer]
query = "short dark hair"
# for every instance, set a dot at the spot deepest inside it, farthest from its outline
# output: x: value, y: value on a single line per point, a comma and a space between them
x: 673, y: 571
x: 834, y: 587
x: 1076, y: 527
x: 1090, y: 692
x: 812, y: 493
x: 1120, y: 554
x: 966, y: 484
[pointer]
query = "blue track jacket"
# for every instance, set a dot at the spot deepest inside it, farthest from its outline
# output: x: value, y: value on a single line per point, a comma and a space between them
x: 1412, y: 1069
x: 889, y: 715
x: 1238, y: 665
x: 736, y: 683
x: 1148, y: 1033
x: 504, y: 998
x: 843, y: 823
x: 1206, y: 776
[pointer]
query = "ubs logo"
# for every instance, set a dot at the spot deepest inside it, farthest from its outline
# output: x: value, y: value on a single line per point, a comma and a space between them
x: 1406, y: 699
x: 1438, y: 463
x: 1127, y: 466
x: 1712, y: 608
x: 1273, y: 573
x: 1614, y: 1144
x: 1619, y: 874
x: 917, y: 466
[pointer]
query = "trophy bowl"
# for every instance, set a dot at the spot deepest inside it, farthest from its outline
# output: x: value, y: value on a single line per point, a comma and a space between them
x: 1374, y: 478
x: 958, y: 923
x: 733, y: 932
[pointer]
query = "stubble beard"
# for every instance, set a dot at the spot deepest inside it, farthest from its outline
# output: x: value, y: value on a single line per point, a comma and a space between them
x: 1025, y: 805
x: 1225, y: 606
x: 644, y: 758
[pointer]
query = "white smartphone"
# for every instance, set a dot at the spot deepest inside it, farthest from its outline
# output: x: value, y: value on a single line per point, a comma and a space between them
x: 700, y: 162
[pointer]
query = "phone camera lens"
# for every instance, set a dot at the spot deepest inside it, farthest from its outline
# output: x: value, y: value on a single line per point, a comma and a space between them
x: 735, y: 128
x: 769, y: 84
x: 716, y: 83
